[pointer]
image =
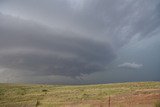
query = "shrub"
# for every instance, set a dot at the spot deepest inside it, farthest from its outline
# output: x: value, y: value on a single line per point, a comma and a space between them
x: 2, y: 91
x: 157, y: 104
x: 37, y: 103
x: 44, y: 90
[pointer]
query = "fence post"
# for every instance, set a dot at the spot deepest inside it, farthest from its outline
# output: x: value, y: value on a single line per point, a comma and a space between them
x: 109, y: 101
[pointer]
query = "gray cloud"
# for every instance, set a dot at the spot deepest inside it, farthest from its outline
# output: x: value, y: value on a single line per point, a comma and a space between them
x: 115, y: 21
x: 130, y: 65
x: 71, y: 37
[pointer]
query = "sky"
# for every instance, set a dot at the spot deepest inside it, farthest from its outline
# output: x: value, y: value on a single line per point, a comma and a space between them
x: 79, y: 41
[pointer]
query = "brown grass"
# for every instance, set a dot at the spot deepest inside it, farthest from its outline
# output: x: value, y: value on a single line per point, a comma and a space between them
x: 138, y: 94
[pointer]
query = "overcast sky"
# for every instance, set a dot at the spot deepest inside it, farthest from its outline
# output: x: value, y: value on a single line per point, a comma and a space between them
x: 79, y: 41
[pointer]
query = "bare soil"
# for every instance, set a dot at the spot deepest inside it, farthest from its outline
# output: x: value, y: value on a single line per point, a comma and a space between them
x: 139, y: 98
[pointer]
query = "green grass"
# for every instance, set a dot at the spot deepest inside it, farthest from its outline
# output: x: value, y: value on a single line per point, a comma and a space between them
x: 38, y: 95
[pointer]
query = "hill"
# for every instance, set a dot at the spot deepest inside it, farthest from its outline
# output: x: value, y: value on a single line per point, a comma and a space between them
x: 133, y: 94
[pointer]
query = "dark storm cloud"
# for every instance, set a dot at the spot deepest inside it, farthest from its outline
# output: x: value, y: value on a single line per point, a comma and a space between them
x: 28, y: 47
x: 115, y: 21
x: 71, y: 37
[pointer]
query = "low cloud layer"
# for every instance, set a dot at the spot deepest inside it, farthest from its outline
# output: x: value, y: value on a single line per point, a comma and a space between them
x: 130, y: 65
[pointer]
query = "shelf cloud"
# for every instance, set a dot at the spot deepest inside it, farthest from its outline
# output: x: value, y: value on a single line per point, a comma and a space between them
x: 28, y: 47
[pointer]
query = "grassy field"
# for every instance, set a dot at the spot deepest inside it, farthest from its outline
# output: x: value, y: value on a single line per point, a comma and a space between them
x: 136, y: 94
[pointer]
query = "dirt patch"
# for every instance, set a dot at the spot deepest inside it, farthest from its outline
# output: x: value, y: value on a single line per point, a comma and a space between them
x: 138, y: 98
